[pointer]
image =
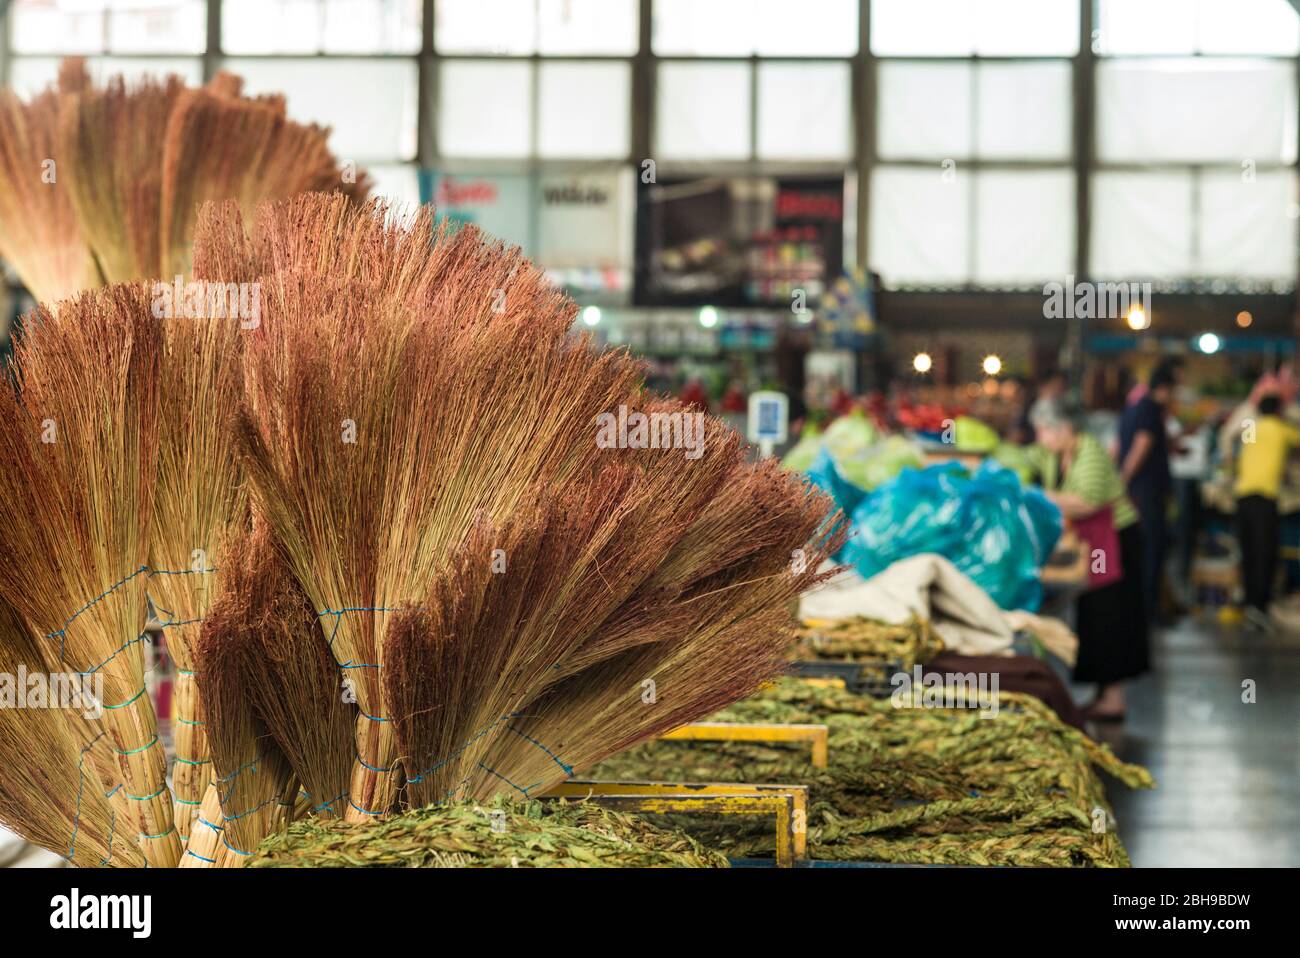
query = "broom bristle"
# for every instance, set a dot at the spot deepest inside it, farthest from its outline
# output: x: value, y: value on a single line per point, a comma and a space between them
x: 220, y: 145
x: 39, y: 232
x: 101, y: 182
x: 80, y: 438
x: 51, y: 792
x: 253, y: 780
x: 198, y: 502
x: 293, y: 683
x: 109, y: 142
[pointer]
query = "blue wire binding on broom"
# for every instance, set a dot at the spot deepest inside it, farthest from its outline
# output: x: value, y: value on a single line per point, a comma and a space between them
x: 568, y: 769
x: 478, y: 735
x: 62, y: 633
x: 81, y: 785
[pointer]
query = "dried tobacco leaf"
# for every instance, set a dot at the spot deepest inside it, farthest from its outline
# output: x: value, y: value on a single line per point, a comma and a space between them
x: 499, y: 834
x: 917, y: 786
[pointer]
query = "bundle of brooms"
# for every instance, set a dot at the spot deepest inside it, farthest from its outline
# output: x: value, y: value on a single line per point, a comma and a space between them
x: 101, y: 183
x: 914, y: 786
x: 450, y: 588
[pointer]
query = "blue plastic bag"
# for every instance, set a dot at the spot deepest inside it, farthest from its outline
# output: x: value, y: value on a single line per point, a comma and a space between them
x: 988, y: 525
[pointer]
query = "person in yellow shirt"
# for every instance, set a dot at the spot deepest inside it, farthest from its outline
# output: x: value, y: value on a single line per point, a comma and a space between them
x: 1266, y: 443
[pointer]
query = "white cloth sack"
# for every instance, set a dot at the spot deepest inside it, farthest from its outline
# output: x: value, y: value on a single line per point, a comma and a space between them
x: 925, y: 586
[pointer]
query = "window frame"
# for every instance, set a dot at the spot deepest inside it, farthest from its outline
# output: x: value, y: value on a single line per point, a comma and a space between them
x: 859, y: 165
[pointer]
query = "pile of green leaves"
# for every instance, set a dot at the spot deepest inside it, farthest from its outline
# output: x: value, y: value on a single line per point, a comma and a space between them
x: 877, y: 645
x: 500, y: 834
x: 918, y: 786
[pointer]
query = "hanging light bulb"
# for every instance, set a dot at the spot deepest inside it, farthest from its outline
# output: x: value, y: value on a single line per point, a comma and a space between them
x: 922, y: 362
x: 992, y: 365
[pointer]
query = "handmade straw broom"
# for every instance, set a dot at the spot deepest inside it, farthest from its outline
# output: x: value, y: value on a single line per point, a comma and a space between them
x: 50, y: 793
x: 39, y: 232
x: 198, y: 503
x: 253, y: 780
x: 80, y: 438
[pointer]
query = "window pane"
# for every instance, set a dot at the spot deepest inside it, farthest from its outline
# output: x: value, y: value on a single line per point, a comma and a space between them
x: 485, y: 26
x: 824, y: 28
x: 1142, y: 225
x: 1196, y: 110
x: 703, y: 27
x: 702, y: 111
x: 964, y: 27
x: 372, y: 26
x: 485, y: 109
x: 1249, y: 26
x: 585, y: 109
x: 270, y: 26
x: 924, y: 110
x: 1027, y: 28
x: 151, y: 26
x: 123, y: 26
x: 920, y: 226
x: 922, y: 27
x: 1024, y: 226
x: 37, y: 27
x: 587, y: 26
x: 1247, y: 225
x: 1025, y: 110
x: 1199, y: 26
x: 1147, y: 26
x: 311, y: 26
x: 30, y: 75
x: 341, y: 93
x: 803, y: 111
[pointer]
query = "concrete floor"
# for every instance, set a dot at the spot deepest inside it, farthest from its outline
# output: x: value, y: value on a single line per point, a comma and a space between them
x: 1228, y: 773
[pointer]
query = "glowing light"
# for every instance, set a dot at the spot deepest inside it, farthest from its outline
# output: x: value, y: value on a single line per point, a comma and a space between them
x: 992, y: 365
x: 922, y: 362
x: 1137, y: 319
x: 591, y: 315
x: 1208, y: 343
x: 1244, y: 319
x: 708, y: 317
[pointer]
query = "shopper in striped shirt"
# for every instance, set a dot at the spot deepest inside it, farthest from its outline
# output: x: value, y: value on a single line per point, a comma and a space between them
x: 1082, y: 479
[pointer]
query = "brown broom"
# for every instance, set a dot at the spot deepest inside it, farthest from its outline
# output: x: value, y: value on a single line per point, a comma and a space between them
x: 198, y: 503
x: 473, y: 390
x: 252, y: 779
x: 713, y: 641
x: 39, y: 233
x: 82, y: 441
x: 51, y: 793
x: 292, y: 681
x: 100, y: 182
x: 220, y: 145
x: 109, y: 141
x: 738, y: 630
x: 358, y: 551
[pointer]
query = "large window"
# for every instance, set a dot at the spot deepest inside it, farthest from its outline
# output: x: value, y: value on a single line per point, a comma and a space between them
x: 1196, y: 141
x: 953, y: 120
x: 974, y: 184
